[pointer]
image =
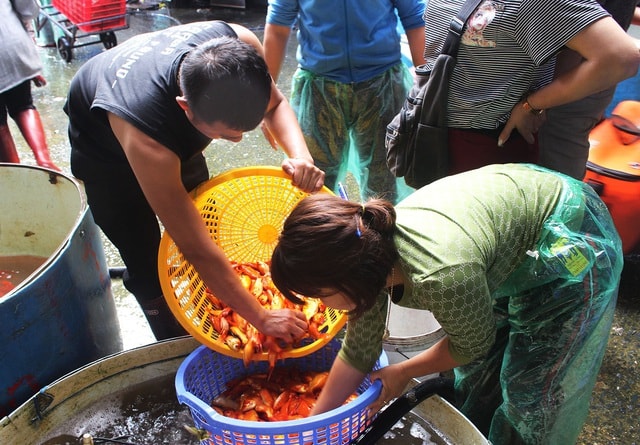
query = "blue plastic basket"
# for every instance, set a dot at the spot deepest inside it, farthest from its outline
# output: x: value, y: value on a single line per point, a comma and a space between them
x: 203, y: 376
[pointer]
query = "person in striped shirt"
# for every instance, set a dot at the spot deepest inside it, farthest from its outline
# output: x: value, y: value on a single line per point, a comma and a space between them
x: 497, y: 95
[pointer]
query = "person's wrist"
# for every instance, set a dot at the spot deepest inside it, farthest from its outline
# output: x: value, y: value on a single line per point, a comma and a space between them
x: 301, y: 158
x: 259, y: 321
x: 527, y: 106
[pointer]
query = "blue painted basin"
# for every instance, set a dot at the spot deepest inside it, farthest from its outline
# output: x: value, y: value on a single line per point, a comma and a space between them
x: 62, y: 316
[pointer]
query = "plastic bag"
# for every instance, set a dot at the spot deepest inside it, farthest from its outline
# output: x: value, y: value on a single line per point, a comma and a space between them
x: 554, y: 315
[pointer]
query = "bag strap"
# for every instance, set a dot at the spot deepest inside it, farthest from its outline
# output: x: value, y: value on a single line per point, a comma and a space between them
x: 456, y: 27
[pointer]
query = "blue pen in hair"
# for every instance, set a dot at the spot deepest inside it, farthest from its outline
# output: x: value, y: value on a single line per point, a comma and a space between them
x: 343, y: 194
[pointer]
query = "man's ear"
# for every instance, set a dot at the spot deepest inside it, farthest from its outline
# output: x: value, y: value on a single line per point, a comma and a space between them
x: 182, y: 103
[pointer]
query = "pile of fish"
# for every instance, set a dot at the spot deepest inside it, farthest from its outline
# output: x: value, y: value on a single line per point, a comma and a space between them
x: 286, y: 393
x: 241, y: 336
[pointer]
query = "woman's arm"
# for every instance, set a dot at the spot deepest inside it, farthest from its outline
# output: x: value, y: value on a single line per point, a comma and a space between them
x: 609, y: 55
x: 396, y: 377
x: 343, y: 381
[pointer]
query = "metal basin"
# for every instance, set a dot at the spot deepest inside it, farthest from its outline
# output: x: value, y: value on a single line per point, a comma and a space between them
x: 411, y: 332
x: 62, y: 315
x: 131, y: 395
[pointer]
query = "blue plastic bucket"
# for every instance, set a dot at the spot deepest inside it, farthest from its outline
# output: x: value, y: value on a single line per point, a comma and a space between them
x: 62, y: 316
x: 204, y: 375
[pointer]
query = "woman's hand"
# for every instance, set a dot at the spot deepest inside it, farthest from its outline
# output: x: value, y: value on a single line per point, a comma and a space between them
x: 396, y: 377
x: 394, y: 381
x: 525, y: 121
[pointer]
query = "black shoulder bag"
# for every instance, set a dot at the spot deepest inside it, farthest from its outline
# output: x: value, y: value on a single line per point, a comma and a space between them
x: 417, y: 142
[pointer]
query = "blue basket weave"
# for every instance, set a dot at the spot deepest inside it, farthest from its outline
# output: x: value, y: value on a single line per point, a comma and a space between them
x: 203, y: 376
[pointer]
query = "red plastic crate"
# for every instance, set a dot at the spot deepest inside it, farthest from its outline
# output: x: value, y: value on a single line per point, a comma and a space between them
x: 93, y: 15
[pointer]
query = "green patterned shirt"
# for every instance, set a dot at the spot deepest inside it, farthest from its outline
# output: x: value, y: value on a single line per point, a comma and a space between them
x: 459, y: 239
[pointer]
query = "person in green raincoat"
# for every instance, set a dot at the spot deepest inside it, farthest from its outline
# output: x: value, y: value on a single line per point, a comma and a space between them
x: 519, y: 265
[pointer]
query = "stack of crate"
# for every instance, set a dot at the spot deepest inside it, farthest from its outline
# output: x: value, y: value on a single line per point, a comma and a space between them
x: 92, y: 16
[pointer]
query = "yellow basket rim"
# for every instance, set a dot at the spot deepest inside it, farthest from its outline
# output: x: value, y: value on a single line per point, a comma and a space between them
x: 241, y: 172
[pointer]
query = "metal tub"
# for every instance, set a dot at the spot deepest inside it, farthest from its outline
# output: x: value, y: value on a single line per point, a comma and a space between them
x: 62, y: 316
x: 106, y: 399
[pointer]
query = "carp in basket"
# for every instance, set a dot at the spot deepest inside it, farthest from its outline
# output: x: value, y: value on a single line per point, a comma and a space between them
x: 240, y: 335
x: 288, y: 394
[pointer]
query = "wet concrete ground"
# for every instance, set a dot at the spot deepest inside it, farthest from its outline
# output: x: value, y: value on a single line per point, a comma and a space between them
x: 616, y: 399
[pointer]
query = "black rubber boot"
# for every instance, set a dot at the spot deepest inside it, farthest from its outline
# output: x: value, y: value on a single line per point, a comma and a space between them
x: 161, y: 320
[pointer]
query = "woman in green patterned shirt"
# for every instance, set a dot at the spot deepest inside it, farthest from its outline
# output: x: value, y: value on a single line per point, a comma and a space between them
x: 519, y: 265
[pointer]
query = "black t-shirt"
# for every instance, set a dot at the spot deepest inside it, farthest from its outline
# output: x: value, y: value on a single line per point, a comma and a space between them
x: 620, y: 10
x: 137, y: 81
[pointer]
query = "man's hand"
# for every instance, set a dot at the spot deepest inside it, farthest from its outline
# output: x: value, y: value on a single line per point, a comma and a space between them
x: 286, y: 324
x: 304, y: 175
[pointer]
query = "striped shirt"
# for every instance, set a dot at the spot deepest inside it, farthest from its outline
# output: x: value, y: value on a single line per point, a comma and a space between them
x: 502, y: 50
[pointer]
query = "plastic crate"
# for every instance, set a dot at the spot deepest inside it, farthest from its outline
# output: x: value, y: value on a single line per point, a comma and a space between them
x: 93, y: 15
x: 203, y: 376
x: 244, y: 210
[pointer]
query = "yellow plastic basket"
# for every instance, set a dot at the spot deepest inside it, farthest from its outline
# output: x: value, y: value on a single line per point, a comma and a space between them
x: 244, y: 210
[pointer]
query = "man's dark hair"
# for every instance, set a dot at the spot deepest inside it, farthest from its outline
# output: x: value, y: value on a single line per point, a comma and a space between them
x: 226, y: 80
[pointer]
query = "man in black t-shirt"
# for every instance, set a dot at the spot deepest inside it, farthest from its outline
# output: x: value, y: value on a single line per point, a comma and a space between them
x: 140, y: 116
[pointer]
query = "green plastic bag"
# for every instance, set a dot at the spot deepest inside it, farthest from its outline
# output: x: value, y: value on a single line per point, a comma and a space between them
x: 554, y: 315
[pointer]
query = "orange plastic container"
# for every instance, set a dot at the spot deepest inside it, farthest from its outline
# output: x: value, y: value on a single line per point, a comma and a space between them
x: 93, y: 15
x: 613, y: 170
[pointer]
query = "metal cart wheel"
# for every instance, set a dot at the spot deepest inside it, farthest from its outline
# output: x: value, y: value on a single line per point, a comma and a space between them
x: 65, y: 49
x: 108, y: 39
